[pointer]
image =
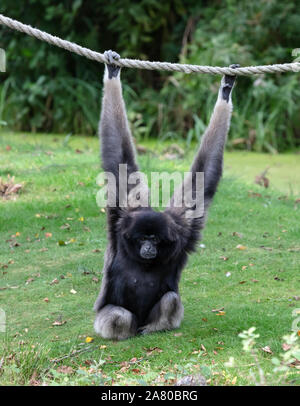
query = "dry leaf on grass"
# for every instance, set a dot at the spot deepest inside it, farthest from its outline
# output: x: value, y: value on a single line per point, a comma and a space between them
x: 64, y: 369
x: 8, y: 188
x: 267, y: 349
x: 241, y: 247
x: 217, y: 310
x: 58, y: 323
x: 262, y: 180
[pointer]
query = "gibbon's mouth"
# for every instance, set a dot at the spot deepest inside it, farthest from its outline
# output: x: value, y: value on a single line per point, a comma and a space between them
x: 148, y: 255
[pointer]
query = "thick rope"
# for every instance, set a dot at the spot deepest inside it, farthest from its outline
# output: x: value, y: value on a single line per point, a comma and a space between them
x: 135, y: 63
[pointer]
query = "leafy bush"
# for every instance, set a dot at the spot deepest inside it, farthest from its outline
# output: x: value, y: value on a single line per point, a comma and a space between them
x: 48, y: 89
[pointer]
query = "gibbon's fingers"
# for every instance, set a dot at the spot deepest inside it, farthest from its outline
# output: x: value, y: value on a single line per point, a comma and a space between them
x: 112, y: 68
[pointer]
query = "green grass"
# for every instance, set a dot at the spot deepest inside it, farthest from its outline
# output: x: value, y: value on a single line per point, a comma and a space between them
x: 59, y: 188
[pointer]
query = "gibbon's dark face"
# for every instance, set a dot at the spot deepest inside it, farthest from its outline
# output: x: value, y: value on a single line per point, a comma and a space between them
x: 147, y: 236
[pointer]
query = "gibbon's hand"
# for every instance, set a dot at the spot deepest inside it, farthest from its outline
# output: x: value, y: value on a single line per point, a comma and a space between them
x: 113, y: 69
x: 227, y: 83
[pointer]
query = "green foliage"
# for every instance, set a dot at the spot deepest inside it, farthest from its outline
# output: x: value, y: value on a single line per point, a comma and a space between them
x: 256, y: 286
x: 48, y: 89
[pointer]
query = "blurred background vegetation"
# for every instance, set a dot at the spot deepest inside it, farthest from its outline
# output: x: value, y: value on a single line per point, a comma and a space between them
x: 46, y: 89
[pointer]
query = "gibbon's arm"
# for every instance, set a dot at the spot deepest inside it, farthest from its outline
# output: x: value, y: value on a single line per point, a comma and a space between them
x: 117, y: 145
x: 209, y: 158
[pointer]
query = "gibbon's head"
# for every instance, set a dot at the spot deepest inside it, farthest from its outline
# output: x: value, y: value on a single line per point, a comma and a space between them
x: 148, y: 236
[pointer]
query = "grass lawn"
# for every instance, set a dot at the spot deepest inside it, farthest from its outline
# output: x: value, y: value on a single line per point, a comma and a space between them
x: 47, y: 289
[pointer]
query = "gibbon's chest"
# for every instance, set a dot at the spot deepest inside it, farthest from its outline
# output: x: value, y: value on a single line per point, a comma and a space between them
x: 141, y: 292
x: 143, y: 279
x: 136, y: 289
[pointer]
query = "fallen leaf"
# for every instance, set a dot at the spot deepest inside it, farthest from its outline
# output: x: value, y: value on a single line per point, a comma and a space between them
x: 48, y: 235
x: 224, y: 258
x: 65, y: 226
x: 267, y: 349
x: 58, y: 323
x: 241, y: 247
x: 152, y: 350
x: 266, y: 248
x: 64, y: 369
x: 286, y: 347
x: 134, y: 359
x: 217, y: 310
x: 262, y: 180
x: 253, y: 194
x: 89, y: 339
x: 73, y: 291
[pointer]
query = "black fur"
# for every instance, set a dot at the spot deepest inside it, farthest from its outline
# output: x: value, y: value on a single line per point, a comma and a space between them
x: 148, y: 287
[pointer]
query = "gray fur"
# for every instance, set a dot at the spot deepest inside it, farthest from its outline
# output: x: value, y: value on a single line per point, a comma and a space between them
x: 115, y: 323
x: 167, y: 314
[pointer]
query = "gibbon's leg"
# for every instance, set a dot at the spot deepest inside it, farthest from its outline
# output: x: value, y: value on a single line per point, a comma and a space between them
x: 167, y: 314
x: 115, y: 323
x: 116, y: 141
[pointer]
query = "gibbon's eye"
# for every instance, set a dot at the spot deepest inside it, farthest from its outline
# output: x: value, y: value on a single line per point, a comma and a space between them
x: 127, y: 236
x: 155, y: 239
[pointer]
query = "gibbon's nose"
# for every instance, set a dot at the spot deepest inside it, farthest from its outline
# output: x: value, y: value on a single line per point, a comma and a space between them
x: 148, y: 250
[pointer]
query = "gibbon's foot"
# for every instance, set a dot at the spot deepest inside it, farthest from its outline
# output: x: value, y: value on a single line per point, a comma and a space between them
x: 167, y: 314
x: 227, y: 83
x: 111, y: 57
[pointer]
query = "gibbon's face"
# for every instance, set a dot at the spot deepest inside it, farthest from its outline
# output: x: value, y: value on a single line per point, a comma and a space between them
x: 147, y: 237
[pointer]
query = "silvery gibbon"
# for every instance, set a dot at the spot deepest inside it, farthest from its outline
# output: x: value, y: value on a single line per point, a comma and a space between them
x: 147, y: 249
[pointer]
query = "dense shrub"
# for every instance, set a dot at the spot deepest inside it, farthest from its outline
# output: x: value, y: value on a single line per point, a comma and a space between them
x: 48, y: 89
